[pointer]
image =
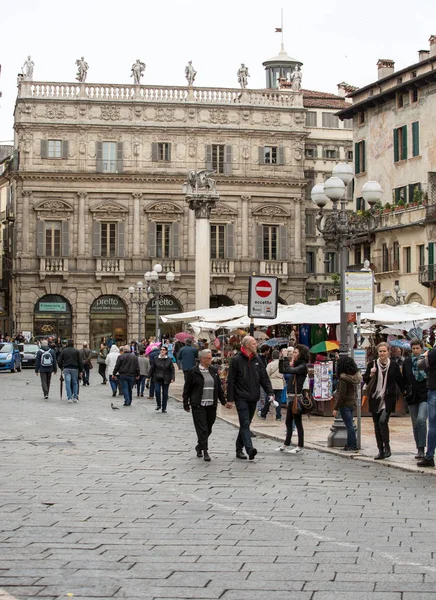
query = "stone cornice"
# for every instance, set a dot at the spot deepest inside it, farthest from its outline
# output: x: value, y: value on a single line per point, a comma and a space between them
x: 142, y: 178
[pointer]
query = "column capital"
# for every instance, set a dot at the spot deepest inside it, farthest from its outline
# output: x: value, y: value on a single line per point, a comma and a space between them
x: 137, y: 195
x: 82, y: 194
x: 27, y: 192
x: 245, y: 197
x: 202, y: 204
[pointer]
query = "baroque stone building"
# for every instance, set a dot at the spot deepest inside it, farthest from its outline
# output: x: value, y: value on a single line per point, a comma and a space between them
x: 98, y: 198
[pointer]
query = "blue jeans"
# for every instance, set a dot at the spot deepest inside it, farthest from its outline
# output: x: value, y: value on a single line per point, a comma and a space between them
x: 418, y: 413
x: 151, y: 391
x: 127, y: 382
x: 72, y: 383
x: 85, y: 374
x: 114, y: 384
x: 347, y: 417
x: 431, y: 407
x: 161, y: 390
x: 140, y: 385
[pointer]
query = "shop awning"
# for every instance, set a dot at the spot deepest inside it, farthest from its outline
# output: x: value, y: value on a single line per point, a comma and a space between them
x: 215, y: 315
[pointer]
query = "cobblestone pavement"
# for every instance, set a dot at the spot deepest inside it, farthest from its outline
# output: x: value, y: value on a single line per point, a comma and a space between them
x: 96, y: 503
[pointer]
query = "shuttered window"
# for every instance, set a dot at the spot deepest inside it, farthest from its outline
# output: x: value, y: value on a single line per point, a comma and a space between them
x: 270, y: 242
x: 218, y: 158
x: 53, y: 233
x: 310, y: 262
x: 163, y: 240
x: 415, y: 138
x: 400, y: 143
x: 108, y: 239
x: 311, y: 118
x: 330, y: 120
x: 54, y: 148
x: 359, y: 157
x: 217, y: 241
x: 161, y: 151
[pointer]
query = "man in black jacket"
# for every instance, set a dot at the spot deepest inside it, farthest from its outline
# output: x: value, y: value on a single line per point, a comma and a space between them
x: 127, y: 367
x: 72, y: 366
x: 201, y: 393
x: 246, y: 375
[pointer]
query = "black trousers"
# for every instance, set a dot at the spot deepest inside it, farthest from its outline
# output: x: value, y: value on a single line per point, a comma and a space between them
x: 246, y: 412
x: 290, y: 420
x: 45, y: 382
x: 204, y: 417
x: 102, y: 371
x: 381, y: 427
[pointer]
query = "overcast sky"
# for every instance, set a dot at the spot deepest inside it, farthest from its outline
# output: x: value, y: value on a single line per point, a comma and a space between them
x: 336, y: 40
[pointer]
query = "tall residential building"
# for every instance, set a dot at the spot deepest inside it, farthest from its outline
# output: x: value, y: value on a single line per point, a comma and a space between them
x: 394, y: 144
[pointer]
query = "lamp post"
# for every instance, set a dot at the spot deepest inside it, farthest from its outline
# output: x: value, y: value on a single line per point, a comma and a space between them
x: 158, y: 288
x: 137, y: 297
x: 341, y: 226
x: 400, y: 295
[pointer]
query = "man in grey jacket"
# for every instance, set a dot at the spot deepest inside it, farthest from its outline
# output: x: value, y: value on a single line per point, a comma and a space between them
x: 45, y: 365
x: 127, y: 368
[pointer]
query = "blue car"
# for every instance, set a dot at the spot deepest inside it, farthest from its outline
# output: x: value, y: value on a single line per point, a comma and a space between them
x: 10, y: 357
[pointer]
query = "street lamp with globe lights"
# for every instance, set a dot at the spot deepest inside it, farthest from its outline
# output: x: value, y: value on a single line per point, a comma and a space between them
x: 158, y: 288
x: 339, y: 226
x: 137, y: 298
x: 399, y: 293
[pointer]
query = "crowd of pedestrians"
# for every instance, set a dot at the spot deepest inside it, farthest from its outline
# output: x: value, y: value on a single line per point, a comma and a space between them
x: 258, y: 379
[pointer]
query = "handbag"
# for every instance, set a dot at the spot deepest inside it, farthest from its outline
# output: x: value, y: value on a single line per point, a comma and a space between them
x: 301, y: 404
x: 369, y: 389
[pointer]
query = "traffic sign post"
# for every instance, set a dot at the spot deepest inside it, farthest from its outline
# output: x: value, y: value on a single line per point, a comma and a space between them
x: 262, y: 297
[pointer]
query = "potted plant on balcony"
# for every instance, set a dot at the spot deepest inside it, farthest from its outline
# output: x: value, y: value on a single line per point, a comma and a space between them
x: 401, y: 205
x: 387, y: 207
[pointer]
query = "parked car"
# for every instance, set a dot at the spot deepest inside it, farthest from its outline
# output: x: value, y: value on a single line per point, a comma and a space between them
x: 28, y: 354
x: 10, y: 357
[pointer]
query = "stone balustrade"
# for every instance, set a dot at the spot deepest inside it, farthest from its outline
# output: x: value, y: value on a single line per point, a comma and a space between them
x: 109, y: 266
x: 273, y: 267
x: 53, y: 266
x: 163, y: 94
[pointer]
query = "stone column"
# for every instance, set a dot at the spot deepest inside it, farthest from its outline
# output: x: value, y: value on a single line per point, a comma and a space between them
x: 202, y: 206
x: 81, y: 226
x: 191, y: 240
x: 245, y: 227
x: 25, y: 223
x: 136, y: 225
x: 297, y: 209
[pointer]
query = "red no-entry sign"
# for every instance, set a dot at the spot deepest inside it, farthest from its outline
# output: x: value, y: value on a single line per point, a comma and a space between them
x: 263, y: 288
x: 262, y: 297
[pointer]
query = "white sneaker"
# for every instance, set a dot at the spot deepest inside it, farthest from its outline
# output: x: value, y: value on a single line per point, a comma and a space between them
x: 70, y: 401
x: 295, y: 450
x: 75, y: 399
x: 281, y: 448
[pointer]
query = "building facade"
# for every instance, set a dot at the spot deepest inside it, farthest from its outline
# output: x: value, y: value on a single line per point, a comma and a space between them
x: 394, y: 144
x: 98, y: 199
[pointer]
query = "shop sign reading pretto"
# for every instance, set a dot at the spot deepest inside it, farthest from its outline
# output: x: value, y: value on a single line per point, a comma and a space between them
x: 108, y: 304
x: 167, y: 305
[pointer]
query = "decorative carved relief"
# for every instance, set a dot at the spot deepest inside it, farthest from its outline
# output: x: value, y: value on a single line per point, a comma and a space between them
x: 25, y: 142
x: 55, y: 111
x: 192, y: 112
x: 299, y: 118
x: 53, y: 205
x: 270, y: 213
x: 110, y: 112
x: 245, y: 152
x: 25, y: 109
x: 245, y: 115
x: 192, y: 146
x: 164, y: 114
x: 270, y: 118
x: 298, y: 150
x: 163, y: 211
x: 223, y: 212
x: 108, y: 210
x: 218, y: 115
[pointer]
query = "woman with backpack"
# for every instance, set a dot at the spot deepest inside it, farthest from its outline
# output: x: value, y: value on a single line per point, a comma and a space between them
x: 295, y: 390
x: 101, y: 360
x: 45, y: 365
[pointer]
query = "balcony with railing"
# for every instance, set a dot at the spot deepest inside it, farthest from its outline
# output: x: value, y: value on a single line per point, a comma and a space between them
x: 278, y: 268
x: 107, y: 267
x: 427, y: 275
x: 222, y: 267
x: 386, y: 267
x: 51, y: 265
x: 284, y: 98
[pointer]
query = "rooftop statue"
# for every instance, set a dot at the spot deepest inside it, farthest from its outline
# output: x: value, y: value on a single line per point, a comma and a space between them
x: 82, y: 70
x: 27, y: 69
x: 138, y: 69
x: 243, y: 76
x: 190, y: 73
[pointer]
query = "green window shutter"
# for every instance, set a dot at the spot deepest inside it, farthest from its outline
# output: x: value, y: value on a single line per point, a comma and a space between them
x: 415, y: 138
x: 259, y: 242
x: 40, y: 226
x: 66, y: 238
x: 44, y: 149
x: 96, y: 238
x: 119, y: 157
x: 283, y: 250
x: 99, y: 154
x: 209, y: 157
x: 152, y: 239
x: 396, y: 153
x: 175, y: 240
x: 228, y: 160
x: 363, y: 159
x: 154, y: 155
x: 356, y: 158
x: 230, y: 234
x: 261, y: 155
x: 64, y: 148
x: 121, y: 239
x: 404, y: 148
x: 397, y: 195
x: 431, y: 253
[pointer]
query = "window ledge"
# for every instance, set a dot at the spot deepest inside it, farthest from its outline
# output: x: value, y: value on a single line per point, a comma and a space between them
x: 400, y: 162
x: 362, y: 174
x: 419, y: 156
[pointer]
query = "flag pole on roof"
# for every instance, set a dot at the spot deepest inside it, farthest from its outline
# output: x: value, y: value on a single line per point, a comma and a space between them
x: 280, y: 29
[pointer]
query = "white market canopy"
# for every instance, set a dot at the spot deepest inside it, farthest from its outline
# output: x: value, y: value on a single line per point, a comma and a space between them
x: 326, y: 312
x: 216, y: 315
